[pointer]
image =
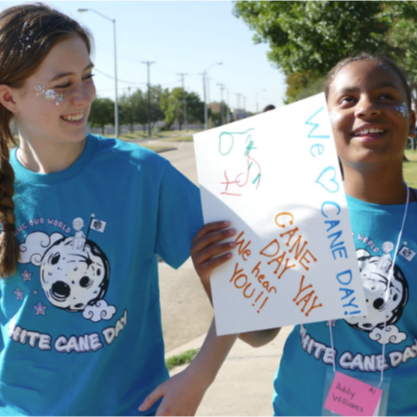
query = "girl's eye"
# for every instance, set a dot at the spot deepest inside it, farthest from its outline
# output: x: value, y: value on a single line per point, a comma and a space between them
x: 346, y: 100
x: 62, y: 86
x: 386, y: 97
x: 89, y: 77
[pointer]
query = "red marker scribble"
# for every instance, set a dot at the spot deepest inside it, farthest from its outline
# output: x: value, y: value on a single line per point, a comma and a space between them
x: 243, y: 178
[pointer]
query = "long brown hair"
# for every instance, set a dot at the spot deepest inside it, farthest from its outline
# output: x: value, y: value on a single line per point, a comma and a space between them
x: 27, y: 34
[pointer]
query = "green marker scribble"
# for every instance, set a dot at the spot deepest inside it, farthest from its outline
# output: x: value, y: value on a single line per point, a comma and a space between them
x: 233, y: 139
x: 249, y: 148
x: 256, y: 179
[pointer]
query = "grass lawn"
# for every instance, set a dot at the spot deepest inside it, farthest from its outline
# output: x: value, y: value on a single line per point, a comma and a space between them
x: 170, y: 135
x: 157, y: 148
x: 134, y: 136
x: 410, y: 168
x: 177, y: 135
x: 181, y: 359
x: 185, y: 138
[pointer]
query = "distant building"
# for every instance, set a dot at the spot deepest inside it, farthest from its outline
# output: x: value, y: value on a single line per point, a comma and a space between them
x: 214, y: 107
x: 238, y: 114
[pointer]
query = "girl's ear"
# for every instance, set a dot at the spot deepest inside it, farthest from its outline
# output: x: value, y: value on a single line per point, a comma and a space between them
x: 7, y: 98
x: 412, y: 130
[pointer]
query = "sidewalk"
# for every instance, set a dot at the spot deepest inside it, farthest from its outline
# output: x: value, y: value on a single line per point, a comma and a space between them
x: 243, y: 386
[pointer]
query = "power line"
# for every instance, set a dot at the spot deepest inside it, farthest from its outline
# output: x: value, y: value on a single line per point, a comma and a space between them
x: 112, y: 77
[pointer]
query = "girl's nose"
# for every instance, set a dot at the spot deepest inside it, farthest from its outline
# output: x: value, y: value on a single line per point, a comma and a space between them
x: 83, y: 95
x: 366, y: 107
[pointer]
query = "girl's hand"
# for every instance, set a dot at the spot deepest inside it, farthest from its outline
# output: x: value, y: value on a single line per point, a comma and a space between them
x: 181, y: 395
x: 208, y: 250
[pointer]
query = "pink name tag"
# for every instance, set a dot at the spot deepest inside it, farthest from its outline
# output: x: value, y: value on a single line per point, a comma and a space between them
x: 351, y: 397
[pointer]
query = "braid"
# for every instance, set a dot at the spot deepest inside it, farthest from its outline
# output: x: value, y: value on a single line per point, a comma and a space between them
x: 9, y: 247
x: 28, y: 32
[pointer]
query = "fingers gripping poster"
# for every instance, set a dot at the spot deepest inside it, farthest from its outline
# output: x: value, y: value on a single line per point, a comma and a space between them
x: 276, y: 177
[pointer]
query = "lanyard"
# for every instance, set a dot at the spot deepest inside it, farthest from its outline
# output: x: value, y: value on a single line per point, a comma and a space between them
x: 386, y: 295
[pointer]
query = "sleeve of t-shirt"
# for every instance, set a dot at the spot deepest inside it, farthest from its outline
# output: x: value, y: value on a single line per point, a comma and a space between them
x: 179, y: 216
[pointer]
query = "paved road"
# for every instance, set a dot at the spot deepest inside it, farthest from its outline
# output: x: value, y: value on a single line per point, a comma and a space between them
x: 243, y: 386
x: 183, y: 158
x: 186, y: 311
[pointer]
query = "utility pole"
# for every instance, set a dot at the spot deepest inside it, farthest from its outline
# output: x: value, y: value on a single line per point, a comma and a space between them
x: 221, y: 102
x: 116, y: 97
x: 238, y: 95
x: 183, y: 101
x: 205, y: 99
x: 208, y: 88
x: 228, y: 107
x: 256, y: 99
x: 149, y: 63
x: 204, y: 74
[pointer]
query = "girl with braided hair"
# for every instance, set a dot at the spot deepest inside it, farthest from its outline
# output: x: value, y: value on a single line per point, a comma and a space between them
x: 83, y: 219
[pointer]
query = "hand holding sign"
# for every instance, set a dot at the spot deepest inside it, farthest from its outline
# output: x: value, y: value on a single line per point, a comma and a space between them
x: 275, y: 176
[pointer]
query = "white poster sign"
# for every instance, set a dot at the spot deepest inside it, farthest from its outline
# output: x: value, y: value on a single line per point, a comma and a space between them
x: 276, y: 177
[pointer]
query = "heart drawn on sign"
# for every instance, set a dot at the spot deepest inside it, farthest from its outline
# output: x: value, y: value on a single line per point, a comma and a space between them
x: 327, y: 179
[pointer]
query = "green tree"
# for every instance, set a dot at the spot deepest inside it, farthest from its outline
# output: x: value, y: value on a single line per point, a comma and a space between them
x: 302, y: 85
x: 156, y: 113
x: 133, y: 109
x: 195, y: 108
x: 102, y: 113
x: 310, y: 37
x: 172, y: 104
x: 402, y: 17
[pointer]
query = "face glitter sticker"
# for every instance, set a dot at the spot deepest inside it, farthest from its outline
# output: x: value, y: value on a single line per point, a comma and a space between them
x: 334, y: 117
x: 25, y: 39
x: 402, y: 110
x: 49, y: 94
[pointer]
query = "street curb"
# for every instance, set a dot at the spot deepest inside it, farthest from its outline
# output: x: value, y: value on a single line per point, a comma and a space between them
x: 194, y: 344
x: 165, y: 150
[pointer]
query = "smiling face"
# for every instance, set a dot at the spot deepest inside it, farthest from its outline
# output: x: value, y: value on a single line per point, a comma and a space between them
x: 370, y: 116
x: 54, y: 103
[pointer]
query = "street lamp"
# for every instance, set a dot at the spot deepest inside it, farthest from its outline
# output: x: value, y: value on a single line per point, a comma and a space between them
x: 204, y: 90
x: 256, y: 96
x: 116, y: 102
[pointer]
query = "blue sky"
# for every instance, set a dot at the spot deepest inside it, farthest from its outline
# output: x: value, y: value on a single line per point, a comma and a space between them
x: 181, y: 37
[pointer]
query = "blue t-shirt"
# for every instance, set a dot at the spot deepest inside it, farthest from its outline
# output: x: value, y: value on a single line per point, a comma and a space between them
x: 80, y: 320
x: 300, y: 380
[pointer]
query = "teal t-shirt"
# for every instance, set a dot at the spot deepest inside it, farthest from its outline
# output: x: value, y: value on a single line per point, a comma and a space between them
x: 300, y: 380
x: 80, y: 320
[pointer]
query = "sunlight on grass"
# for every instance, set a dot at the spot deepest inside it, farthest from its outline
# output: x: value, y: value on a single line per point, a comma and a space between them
x: 181, y: 359
x: 410, y: 168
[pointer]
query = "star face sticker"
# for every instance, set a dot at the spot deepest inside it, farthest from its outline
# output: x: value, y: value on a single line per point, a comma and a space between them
x: 40, y: 309
x: 27, y: 276
x: 19, y: 294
